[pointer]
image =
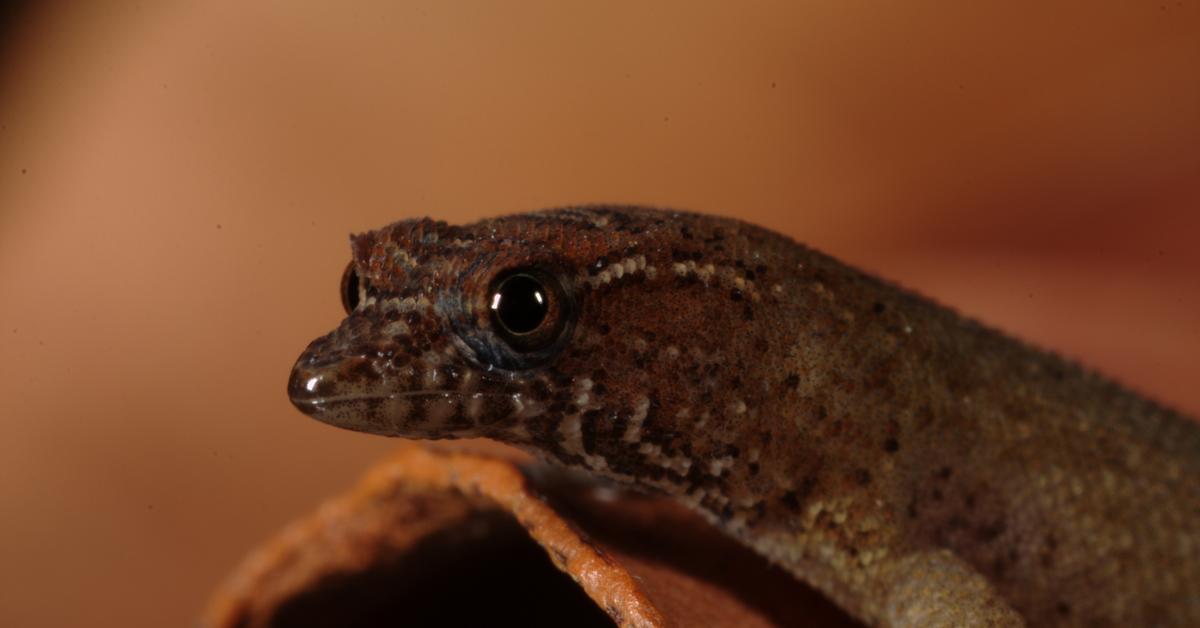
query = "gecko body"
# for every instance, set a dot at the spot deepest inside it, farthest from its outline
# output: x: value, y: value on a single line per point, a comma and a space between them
x: 915, y: 466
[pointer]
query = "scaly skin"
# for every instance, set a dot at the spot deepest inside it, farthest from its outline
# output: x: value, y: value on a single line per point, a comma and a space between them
x: 917, y: 467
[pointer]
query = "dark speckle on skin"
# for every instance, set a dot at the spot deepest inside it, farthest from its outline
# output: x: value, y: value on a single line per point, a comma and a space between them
x: 991, y: 531
x: 862, y: 477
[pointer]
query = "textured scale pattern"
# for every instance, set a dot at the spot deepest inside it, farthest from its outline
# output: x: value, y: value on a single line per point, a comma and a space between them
x: 917, y: 467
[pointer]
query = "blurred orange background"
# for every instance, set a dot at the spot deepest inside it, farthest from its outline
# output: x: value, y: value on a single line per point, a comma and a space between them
x: 177, y: 182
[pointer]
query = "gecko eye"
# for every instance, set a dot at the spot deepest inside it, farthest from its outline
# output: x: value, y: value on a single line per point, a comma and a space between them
x: 350, y: 288
x: 528, y: 309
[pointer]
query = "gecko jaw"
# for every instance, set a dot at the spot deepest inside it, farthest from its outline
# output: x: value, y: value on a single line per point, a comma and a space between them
x: 432, y: 413
x: 349, y: 398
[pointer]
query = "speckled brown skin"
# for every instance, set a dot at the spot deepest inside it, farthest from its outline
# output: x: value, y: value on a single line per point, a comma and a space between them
x: 915, y: 466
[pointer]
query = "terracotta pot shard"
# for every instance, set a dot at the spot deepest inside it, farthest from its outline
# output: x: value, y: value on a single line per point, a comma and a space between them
x: 472, y: 533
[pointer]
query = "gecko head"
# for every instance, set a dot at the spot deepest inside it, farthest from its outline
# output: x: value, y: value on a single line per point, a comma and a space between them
x: 587, y: 335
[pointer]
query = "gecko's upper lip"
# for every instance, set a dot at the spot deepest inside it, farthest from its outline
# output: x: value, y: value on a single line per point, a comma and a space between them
x: 314, y: 391
x: 352, y: 397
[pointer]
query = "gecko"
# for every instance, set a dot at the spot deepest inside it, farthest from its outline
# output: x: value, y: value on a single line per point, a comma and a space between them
x: 916, y: 466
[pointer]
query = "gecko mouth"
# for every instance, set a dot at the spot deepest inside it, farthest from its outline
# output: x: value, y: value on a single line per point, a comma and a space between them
x: 356, y: 397
x: 433, y: 413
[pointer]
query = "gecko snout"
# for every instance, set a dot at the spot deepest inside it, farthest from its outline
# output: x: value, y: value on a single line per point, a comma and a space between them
x: 307, y: 388
x: 321, y: 392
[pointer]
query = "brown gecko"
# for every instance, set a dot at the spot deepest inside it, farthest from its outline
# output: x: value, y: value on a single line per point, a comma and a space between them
x: 917, y: 467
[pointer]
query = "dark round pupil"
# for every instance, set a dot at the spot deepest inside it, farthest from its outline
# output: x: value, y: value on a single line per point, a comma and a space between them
x: 350, y: 289
x: 520, y: 303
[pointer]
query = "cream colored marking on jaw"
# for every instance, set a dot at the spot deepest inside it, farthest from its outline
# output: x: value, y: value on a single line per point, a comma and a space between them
x: 599, y: 463
x: 395, y: 328
x: 527, y: 408
x: 429, y: 379
x: 571, y: 432
x: 716, y: 466
x: 654, y: 454
x: 582, y: 396
x: 666, y: 486
x: 518, y: 405
x: 474, y: 407
x: 748, y: 501
x: 738, y: 522
x: 433, y: 359
x: 633, y: 431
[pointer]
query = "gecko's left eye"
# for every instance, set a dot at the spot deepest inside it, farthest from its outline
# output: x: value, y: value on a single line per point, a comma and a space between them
x: 528, y: 309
